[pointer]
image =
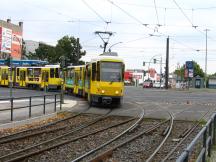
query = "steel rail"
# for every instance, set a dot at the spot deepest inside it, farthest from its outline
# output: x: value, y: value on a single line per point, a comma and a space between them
x: 66, y: 142
x: 4, y: 138
x: 109, y: 152
x: 112, y: 140
x: 82, y: 126
x: 185, y: 137
x: 164, y: 140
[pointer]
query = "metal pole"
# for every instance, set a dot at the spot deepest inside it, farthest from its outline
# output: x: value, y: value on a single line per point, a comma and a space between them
x: 214, y: 130
x: 109, y: 50
x: 29, y: 107
x: 10, y: 80
x: 55, y: 104
x: 206, y: 30
x: 167, y: 64
x: 149, y: 64
x: 61, y: 101
x: 204, y: 144
x: 11, y: 99
x: 78, y: 51
x: 44, y: 105
x: 160, y: 71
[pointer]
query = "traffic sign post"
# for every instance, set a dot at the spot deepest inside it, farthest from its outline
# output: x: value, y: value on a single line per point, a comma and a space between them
x: 189, y: 71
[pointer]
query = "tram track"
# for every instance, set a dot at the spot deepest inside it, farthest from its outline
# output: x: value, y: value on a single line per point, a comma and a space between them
x: 187, y: 134
x: 59, y: 141
x: 108, y: 153
x: 115, y: 131
x: 169, y: 146
x: 106, y: 148
x: 46, y: 128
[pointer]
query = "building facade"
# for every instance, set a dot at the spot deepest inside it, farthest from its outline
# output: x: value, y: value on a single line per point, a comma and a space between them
x: 11, y: 39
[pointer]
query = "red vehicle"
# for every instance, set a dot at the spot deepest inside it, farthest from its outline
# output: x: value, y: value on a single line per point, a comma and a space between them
x: 128, y: 77
x: 147, y: 84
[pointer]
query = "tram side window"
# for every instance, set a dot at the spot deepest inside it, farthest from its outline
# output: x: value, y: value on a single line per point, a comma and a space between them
x: 30, y: 72
x: 98, y: 71
x: 52, y: 73
x: 123, y: 69
x: 37, y: 72
x: 93, y: 71
x: 57, y: 73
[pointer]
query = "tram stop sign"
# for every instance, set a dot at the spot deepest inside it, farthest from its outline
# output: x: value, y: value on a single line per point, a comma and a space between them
x: 189, y: 69
x: 189, y: 64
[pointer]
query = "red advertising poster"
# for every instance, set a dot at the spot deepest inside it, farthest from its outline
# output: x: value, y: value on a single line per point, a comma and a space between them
x: 0, y: 37
x: 16, y: 45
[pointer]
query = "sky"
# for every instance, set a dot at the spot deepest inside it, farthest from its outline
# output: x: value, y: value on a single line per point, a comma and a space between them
x: 140, y: 27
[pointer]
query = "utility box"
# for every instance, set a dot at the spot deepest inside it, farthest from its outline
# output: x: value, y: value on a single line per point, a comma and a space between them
x: 198, y: 82
x: 212, y: 82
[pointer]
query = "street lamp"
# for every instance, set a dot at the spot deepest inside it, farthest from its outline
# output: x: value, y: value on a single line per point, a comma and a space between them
x: 113, y: 45
x: 150, y: 62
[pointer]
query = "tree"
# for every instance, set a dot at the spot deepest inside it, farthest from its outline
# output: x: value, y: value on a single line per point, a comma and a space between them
x: 197, y: 70
x: 23, y: 54
x: 45, y: 53
x: 70, y: 49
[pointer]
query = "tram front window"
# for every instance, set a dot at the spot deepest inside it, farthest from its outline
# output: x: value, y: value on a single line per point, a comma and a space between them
x: 111, y: 72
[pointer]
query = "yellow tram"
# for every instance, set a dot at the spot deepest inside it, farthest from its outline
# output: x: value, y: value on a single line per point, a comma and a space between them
x: 74, y: 79
x: 100, y: 81
x: 104, y: 80
x: 39, y: 77
x: 4, y: 75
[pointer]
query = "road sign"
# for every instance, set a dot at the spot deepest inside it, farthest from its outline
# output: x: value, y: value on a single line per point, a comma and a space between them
x: 189, y: 64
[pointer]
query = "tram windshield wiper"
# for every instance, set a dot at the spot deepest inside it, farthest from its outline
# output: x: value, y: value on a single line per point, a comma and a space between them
x: 112, y: 81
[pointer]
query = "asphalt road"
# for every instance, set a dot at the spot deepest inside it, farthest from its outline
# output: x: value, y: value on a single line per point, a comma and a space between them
x: 21, y: 114
x: 155, y: 102
x: 194, y: 102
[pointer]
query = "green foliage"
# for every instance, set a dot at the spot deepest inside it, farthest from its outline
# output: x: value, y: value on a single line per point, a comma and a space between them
x: 66, y: 52
x: 23, y: 49
x: 70, y: 48
x: 197, y: 70
x: 212, y: 75
x: 45, y: 53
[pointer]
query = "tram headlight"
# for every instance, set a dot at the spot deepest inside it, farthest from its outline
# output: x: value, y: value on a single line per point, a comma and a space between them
x: 116, y: 92
x: 102, y: 91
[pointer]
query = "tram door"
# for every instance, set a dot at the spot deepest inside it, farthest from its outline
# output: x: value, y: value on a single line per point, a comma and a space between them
x: 22, y: 78
x: 45, y: 79
x: 4, y: 80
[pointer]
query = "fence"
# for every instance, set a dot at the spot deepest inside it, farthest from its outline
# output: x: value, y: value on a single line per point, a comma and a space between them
x: 30, y: 105
x: 208, y: 135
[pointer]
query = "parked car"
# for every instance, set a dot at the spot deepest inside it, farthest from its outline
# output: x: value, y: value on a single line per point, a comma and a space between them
x: 147, y: 84
x: 158, y: 85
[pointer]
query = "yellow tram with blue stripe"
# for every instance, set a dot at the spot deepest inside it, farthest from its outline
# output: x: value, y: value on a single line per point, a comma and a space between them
x: 104, y: 80
x: 4, y: 75
x: 39, y: 77
x: 74, y: 79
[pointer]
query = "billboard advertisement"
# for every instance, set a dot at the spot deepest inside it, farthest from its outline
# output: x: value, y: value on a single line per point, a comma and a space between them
x: 16, y: 45
x: 0, y: 37
x: 6, y: 40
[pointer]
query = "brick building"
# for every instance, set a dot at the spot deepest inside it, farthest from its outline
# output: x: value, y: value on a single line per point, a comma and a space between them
x: 11, y: 39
